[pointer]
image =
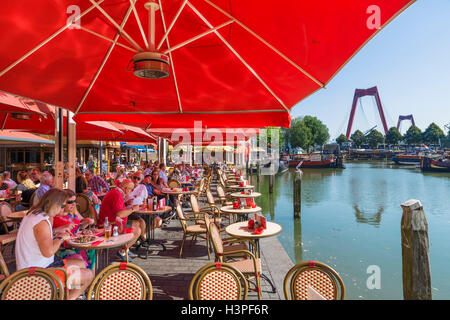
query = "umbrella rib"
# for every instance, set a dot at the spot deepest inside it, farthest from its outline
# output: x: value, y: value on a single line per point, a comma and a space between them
x: 171, y: 25
x: 116, y: 38
x: 321, y: 84
x: 185, y: 112
x: 43, y: 43
x: 4, y: 121
x: 121, y: 31
x: 172, y: 64
x: 239, y: 57
x: 182, y: 44
x: 107, y: 39
x: 139, y: 24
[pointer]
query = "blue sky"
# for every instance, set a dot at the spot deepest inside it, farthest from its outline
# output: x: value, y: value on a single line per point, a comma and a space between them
x: 409, y: 62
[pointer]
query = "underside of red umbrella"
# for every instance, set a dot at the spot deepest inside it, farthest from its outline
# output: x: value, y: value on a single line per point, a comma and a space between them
x: 220, y: 61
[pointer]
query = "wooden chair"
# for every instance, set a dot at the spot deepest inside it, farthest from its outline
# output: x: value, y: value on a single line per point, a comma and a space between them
x: 32, y: 284
x: 218, y: 281
x: 316, y: 275
x: 250, y: 267
x: 121, y: 281
x: 195, y: 230
x: 212, y: 203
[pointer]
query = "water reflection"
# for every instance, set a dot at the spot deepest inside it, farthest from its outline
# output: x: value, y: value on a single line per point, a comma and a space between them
x: 369, y: 218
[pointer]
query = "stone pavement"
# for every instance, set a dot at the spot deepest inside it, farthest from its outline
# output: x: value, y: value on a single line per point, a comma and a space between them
x: 171, y: 275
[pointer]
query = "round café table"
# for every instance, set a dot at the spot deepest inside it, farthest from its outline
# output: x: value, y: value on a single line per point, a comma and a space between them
x: 240, y: 230
x: 241, y: 213
x: 245, y: 195
x: 237, y: 187
x: 149, y: 218
x: 102, y: 247
x: 17, y: 215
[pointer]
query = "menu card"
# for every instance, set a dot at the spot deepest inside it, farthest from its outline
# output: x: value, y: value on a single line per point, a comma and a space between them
x: 312, y: 294
x: 260, y: 221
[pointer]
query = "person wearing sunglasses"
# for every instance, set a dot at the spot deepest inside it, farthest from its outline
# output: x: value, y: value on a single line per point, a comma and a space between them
x: 37, y: 245
x: 71, y: 218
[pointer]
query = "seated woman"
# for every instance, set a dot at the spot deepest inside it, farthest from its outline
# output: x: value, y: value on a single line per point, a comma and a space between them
x: 71, y: 218
x: 36, y: 245
x: 25, y: 183
x: 82, y: 188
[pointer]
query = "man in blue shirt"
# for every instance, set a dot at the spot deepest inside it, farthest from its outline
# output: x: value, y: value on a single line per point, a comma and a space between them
x: 146, y: 183
x: 46, y: 184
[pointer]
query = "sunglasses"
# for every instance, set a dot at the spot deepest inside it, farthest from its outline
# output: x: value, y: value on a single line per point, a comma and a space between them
x: 136, y: 178
x: 71, y: 202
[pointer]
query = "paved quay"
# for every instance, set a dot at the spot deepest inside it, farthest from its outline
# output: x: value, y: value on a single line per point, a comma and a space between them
x: 171, y: 275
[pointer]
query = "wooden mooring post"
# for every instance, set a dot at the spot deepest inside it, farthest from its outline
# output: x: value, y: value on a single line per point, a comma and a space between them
x: 415, y: 252
x: 298, y: 194
x: 271, y: 178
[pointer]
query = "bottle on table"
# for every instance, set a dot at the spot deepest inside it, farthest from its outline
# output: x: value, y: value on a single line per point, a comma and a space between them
x: 155, y: 203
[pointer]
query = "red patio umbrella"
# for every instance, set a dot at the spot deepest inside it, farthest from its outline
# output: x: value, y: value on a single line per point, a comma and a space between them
x: 223, y: 57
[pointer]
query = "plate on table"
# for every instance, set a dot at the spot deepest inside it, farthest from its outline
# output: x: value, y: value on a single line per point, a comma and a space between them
x: 85, y: 240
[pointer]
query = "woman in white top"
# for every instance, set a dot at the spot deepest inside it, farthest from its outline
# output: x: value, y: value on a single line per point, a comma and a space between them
x: 36, y: 246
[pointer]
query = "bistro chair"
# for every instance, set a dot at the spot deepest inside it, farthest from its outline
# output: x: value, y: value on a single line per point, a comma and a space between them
x: 316, y: 275
x: 121, y: 281
x: 5, y: 210
x: 195, y: 230
x: 250, y: 266
x: 197, y: 211
x: 4, y: 272
x: 230, y: 243
x: 225, y: 199
x: 85, y: 207
x: 218, y: 281
x: 173, y: 184
x: 32, y: 284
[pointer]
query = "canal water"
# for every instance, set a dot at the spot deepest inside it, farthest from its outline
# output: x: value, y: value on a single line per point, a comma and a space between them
x: 351, y: 221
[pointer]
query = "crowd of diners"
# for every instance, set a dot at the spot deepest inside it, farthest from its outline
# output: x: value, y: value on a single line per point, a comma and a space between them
x: 53, y: 217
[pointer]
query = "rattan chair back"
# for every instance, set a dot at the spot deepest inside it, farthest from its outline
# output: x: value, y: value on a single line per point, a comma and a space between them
x: 216, y: 241
x: 5, y: 210
x: 173, y: 184
x: 121, y: 281
x: 32, y: 284
x: 83, y: 205
x: 194, y: 204
x: 218, y: 281
x: 318, y: 276
x: 181, y: 217
x: 210, y: 197
x: 4, y: 272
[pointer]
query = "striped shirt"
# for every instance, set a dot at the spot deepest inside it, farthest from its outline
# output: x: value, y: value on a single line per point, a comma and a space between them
x: 96, y: 184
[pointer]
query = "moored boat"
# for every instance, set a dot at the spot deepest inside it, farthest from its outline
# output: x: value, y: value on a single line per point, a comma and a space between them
x: 407, y: 159
x: 435, y: 164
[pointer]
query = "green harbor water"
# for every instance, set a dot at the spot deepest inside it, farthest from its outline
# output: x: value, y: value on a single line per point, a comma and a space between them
x: 351, y: 220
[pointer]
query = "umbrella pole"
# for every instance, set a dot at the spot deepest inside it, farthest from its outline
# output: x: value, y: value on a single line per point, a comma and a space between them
x: 71, y: 150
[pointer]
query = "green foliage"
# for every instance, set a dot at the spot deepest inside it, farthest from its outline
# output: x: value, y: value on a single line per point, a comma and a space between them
x: 358, y: 138
x: 374, y: 138
x: 319, y: 131
x: 299, y: 135
x: 342, y: 138
x: 432, y: 134
x: 393, y: 136
x: 307, y: 132
x: 267, y: 134
x: 413, y: 135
